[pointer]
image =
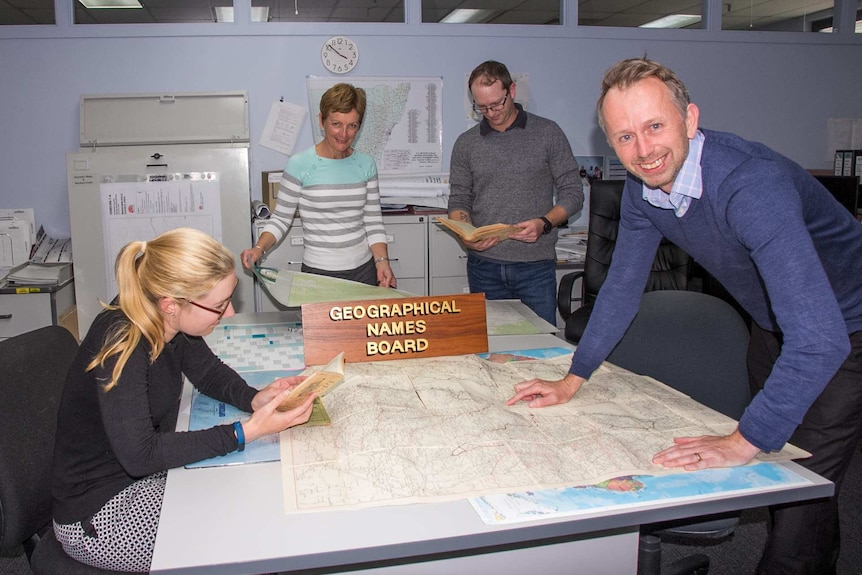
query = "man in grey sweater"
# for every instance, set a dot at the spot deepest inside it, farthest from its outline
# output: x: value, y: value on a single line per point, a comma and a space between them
x: 513, y: 168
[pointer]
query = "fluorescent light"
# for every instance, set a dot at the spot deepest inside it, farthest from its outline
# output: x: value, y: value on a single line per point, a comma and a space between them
x: 225, y: 13
x: 858, y: 28
x: 467, y: 16
x: 110, y: 3
x: 672, y: 21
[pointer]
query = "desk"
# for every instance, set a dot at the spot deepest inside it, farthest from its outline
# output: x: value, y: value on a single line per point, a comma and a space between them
x: 230, y: 520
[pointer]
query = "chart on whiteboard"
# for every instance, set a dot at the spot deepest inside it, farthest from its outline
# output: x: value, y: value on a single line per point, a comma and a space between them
x: 402, y: 129
x: 141, y: 210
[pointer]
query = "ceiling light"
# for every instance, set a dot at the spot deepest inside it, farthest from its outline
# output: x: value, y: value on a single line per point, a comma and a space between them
x: 673, y: 21
x: 467, y: 16
x: 225, y: 13
x: 110, y: 3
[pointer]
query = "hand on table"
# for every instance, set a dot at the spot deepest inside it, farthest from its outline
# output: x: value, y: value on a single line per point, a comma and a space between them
x: 540, y: 392
x: 692, y: 453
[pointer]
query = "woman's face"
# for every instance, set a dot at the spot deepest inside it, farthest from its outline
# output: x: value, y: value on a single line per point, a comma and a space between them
x: 201, y: 316
x: 339, y: 131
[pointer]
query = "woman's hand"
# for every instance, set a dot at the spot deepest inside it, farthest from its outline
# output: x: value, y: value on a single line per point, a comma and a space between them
x: 268, y: 420
x: 539, y: 392
x: 385, y: 275
x: 249, y: 256
x: 266, y: 394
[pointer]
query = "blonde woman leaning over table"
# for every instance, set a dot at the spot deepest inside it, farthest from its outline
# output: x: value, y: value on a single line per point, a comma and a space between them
x: 115, y: 428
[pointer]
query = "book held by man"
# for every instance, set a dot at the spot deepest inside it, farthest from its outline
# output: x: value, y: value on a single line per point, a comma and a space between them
x: 470, y: 233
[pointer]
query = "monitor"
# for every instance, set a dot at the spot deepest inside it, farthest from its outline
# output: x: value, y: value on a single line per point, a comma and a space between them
x: 844, y: 188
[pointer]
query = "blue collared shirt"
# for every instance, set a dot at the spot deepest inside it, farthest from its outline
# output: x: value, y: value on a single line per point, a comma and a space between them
x: 687, y: 185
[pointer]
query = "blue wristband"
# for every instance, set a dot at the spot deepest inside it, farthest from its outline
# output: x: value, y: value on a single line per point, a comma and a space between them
x: 240, y: 435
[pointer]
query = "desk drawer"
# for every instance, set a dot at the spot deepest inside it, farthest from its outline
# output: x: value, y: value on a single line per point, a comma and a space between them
x: 20, y: 313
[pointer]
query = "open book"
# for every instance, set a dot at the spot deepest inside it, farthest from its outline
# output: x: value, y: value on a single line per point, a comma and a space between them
x: 320, y: 381
x: 470, y: 233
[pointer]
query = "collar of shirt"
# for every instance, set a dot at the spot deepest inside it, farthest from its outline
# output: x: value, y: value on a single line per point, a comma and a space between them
x: 520, y: 122
x: 688, y: 184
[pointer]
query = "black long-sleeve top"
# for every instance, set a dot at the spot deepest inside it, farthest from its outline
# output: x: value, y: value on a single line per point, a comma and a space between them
x: 107, y: 440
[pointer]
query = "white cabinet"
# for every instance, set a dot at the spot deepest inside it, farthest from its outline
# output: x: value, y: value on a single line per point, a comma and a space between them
x: 407, y: 236
x: 24, y: 309
x: 448, y: 262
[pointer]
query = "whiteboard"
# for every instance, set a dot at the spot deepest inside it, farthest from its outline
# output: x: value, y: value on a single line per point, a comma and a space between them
x: 92, y: 174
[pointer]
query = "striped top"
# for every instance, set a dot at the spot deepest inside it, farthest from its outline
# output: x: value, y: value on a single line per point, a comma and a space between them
x: 339, y: 203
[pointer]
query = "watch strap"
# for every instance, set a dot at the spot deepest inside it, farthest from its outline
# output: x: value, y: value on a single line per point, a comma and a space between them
x: 548, y: 225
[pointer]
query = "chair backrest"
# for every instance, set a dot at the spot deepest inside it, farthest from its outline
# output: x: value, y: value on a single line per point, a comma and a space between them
x: 33, y: 367
x: 671, y: 268
x: 693, y: 342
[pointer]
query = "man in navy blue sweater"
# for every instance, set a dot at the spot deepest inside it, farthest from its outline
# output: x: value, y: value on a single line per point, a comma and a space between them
x: 788, y: 252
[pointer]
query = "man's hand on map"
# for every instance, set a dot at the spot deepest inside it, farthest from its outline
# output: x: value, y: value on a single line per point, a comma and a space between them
x: 693, y: 453
x: 539, y: 392
x: 268, y: 420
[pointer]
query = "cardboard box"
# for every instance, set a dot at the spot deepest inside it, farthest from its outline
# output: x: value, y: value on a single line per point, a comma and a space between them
x: 269, y: 187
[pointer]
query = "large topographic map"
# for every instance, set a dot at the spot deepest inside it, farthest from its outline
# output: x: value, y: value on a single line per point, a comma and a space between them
x: 402, y: 129
x: 423, y: 430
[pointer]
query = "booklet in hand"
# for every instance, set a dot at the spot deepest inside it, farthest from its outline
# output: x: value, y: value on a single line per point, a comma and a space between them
x: 470, y: 233
x: 320, y: 381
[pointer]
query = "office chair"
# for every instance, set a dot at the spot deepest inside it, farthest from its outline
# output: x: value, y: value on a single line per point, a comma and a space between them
x: 697, y: 344
x: 671, y: 268
x: 34, y: 367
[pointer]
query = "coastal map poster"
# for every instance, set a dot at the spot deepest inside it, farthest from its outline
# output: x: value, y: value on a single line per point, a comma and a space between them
x: 403, y: 125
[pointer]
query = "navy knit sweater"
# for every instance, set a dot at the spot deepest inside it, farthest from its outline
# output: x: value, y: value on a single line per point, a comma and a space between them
x: 788, y: 252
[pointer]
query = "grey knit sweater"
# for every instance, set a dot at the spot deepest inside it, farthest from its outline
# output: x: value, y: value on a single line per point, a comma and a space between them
x: 512, y: 176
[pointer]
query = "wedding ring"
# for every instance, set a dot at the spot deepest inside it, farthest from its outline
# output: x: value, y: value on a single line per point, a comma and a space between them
x: 699, y: 458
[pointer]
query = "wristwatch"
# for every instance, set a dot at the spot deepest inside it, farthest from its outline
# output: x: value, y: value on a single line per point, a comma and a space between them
x: 548, y: 225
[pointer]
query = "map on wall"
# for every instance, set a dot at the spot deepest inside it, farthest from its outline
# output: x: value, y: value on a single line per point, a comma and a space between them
x: 403, y: 127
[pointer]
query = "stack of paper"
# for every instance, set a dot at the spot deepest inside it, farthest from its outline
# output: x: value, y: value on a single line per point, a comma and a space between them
x: 39, y: 274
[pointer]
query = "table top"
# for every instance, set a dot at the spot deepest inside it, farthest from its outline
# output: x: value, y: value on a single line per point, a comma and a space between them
x: 230, y: 519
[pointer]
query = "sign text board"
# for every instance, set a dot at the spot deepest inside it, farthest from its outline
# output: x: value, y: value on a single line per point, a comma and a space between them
x: 384, y: 329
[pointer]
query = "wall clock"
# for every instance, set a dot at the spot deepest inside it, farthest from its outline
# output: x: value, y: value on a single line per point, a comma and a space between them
x: 339, y: 54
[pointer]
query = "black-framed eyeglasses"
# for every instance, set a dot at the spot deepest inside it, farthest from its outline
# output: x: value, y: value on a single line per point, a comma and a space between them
x: 218, y: 312
x: 491, y: 108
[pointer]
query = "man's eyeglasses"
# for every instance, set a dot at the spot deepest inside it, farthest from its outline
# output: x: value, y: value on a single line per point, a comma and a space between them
x: 492, y: 108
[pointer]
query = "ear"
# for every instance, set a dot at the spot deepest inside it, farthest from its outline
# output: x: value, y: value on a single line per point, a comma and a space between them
x: 691, y: 118
x: 320, y: 120
x: 168, y: 306
x: 512, y: 90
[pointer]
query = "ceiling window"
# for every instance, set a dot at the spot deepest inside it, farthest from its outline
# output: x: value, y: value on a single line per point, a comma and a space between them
x: 776, y: 15
x: 331, y: 10
x: 542, y: 12
x: 26, y: 12
x: 653, y: 14
x: 148, y: 11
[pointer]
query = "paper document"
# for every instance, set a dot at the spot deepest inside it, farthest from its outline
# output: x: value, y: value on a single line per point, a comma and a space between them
x: 17, y: 234
x: 320, y: 381
x: 50, y: 250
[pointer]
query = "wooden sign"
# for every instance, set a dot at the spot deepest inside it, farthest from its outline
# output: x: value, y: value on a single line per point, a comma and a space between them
x: 401, y: 328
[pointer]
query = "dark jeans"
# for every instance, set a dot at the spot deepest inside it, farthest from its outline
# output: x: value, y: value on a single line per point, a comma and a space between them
x: 534, y: 283
x: 805, y: 537
x: 366, y: 273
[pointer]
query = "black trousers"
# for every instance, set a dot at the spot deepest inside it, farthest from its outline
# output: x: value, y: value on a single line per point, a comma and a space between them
x: 366, y: 273
x: 804, y: 537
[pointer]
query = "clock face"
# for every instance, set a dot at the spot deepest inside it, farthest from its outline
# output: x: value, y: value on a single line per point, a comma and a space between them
x: 339, y: 54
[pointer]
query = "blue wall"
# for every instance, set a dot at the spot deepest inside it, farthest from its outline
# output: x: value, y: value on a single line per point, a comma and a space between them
x: 778, y: 88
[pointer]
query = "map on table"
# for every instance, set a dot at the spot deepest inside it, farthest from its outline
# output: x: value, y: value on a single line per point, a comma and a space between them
x: 253, y: 347
x: 420, y: 430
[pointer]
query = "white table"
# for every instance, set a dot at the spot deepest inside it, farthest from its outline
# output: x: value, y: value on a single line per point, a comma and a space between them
x: 230, y: 520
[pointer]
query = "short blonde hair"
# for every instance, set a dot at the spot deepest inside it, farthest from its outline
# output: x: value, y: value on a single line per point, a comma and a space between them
x: 343, y: 98
x: 184, y: 264
x: 625, y: 73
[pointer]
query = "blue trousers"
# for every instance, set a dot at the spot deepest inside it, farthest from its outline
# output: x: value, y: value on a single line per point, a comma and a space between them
x: 534, y: 283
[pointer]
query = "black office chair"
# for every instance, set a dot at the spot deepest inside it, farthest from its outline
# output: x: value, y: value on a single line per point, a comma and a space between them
x: 34, y: 367
x: 671, y: 268
x: 697, y: 344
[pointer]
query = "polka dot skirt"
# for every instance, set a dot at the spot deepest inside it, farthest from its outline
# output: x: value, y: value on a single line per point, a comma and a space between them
x: 121, y: 536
